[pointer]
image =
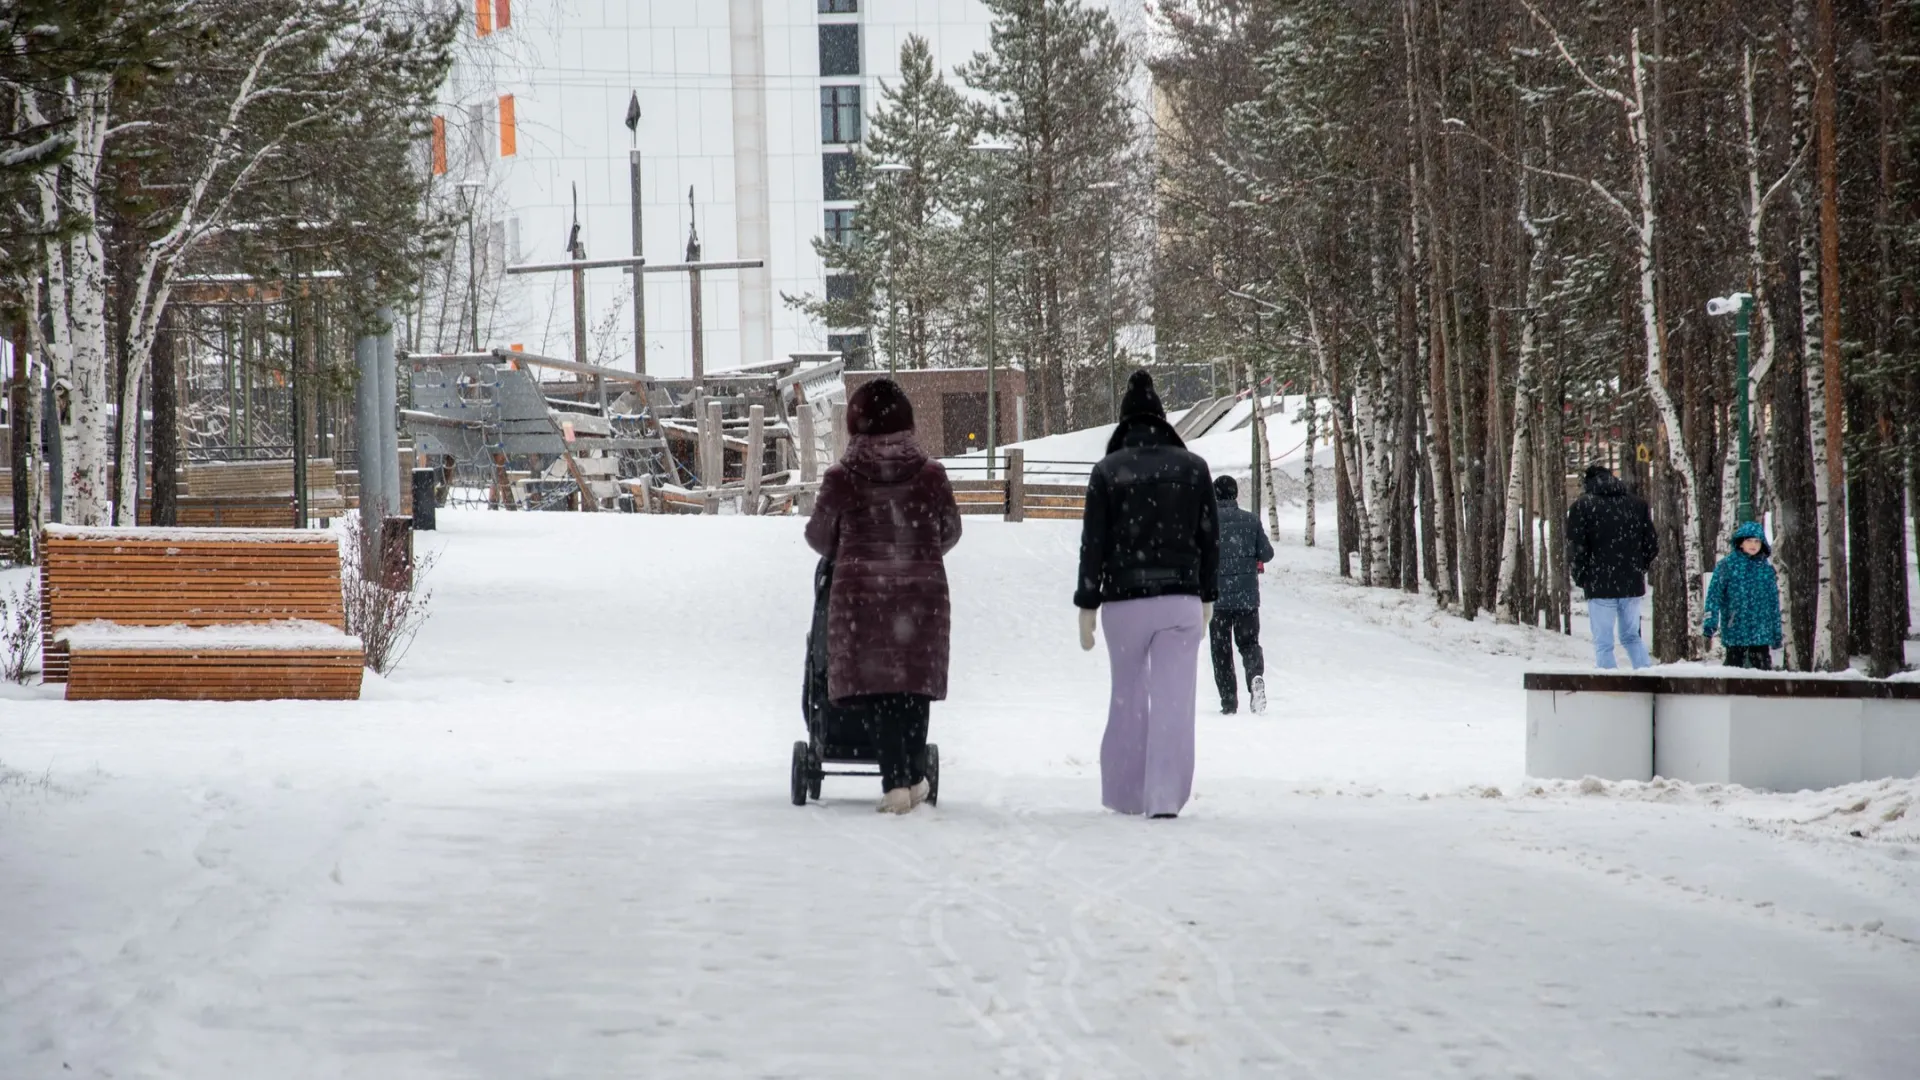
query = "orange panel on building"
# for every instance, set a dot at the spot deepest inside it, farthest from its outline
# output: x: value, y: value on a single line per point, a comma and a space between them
x: 508, y: 140
x: 439, y: 146
x: 483, y: 17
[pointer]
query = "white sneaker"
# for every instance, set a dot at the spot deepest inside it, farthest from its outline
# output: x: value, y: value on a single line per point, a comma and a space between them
x: 1257, y: 694
x: 896, y: 801
x: 918, y: 793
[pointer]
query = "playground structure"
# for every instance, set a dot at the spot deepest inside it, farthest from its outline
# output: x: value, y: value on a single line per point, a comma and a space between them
x: 504, y: 437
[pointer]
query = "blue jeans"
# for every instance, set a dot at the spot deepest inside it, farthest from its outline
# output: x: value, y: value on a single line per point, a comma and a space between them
x: 1603, y: 616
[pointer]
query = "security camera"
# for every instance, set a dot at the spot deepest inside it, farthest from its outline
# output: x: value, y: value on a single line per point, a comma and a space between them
x: 1728, y: 305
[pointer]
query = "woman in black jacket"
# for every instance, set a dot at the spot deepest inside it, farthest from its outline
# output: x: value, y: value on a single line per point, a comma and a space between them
x: 1149, y: 557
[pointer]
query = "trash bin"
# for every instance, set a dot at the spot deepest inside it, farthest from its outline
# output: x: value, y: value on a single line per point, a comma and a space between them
x: 423, y: 498
x: 396, y: 553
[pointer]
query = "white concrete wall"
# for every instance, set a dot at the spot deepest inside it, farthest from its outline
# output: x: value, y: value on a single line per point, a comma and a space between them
x: 571, y: 65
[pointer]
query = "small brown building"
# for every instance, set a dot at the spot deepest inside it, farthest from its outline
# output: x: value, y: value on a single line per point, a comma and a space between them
x: 950, y: 406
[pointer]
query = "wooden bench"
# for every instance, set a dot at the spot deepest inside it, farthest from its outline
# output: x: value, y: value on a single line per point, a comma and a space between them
x: 196, y: 614
x: 252, y: 495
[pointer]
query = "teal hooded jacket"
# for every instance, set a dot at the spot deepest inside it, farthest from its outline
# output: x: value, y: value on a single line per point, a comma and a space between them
x: 1743, y: 599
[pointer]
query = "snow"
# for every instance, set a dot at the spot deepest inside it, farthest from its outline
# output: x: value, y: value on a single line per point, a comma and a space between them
x: 556, y: 841
x: 288, y: 635
x: 1227, y: 448
x: 176, y: 536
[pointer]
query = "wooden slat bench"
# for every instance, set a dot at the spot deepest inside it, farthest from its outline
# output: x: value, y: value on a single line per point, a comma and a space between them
x: 217, y: 614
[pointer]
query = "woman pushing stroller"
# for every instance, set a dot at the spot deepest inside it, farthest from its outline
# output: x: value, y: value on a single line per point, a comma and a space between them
x: 886, y: 517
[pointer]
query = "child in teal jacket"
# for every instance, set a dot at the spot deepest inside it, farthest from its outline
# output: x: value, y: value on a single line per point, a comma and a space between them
x: 1743, y: 601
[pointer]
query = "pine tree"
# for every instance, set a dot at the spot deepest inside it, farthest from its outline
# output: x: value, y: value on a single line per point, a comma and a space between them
x: 1057, y: 76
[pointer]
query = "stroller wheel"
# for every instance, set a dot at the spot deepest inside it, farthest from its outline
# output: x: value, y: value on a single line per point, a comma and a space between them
x: 800, y: 774
x: 814, y: 774
x: 932, y: 769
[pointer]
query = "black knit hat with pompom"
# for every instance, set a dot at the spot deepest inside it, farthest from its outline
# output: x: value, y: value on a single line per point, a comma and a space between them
x: 1140, y: 399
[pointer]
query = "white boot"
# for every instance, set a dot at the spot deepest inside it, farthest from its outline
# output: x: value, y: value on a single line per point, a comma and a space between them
x: 919, y: 792
x: 1257, y: 694
x: 896, y: 801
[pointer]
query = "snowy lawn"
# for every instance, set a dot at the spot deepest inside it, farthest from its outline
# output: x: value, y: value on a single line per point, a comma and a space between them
x: 557, y: 843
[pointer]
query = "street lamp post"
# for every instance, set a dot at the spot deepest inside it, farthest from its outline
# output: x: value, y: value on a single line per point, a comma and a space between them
x: 893, y: 170
x: 1113, y: 385
x: 469, y: 194
x: 992, y: 149
x: 1740, y: 306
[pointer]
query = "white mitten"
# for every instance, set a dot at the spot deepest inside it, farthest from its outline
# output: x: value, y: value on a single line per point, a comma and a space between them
x: 1206, y: 614
x: 1087, y: 616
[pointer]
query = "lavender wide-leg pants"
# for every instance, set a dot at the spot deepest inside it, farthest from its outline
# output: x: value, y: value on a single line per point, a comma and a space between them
x: 1146, y: 758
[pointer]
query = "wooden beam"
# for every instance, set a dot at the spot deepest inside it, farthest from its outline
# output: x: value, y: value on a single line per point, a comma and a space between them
x: 755, y: 456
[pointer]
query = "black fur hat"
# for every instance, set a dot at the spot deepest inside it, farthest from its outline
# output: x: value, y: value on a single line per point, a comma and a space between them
x: 879, y: 408
x: 1140, y: 399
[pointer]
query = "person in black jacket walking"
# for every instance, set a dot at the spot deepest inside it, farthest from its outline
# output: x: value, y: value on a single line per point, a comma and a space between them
x: 1244, y: 551
x: 1610, y: 544
x: 1149, y: 559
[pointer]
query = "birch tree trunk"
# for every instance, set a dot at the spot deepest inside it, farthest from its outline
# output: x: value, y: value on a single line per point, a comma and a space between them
x: 86, y: 494
x: 1828, y: 652
x: 1313, y: 433
x: 1507, y: 599
x: 1656, y: 347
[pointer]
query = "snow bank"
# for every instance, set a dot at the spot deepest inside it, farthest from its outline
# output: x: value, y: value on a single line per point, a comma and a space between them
x: 280, y: 635
x: 1882, y: 810
x: 1228, y: 448
x: 144, y: 532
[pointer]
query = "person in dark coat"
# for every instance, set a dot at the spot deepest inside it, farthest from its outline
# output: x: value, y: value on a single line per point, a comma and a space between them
x: 1743, y: 601
x: 1149, y: 564
x: 1244, y: 553
x: 1610, y: 544
x: 886, y: 517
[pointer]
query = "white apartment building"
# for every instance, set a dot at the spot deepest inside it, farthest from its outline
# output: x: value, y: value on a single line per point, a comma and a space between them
x: 751, y: 104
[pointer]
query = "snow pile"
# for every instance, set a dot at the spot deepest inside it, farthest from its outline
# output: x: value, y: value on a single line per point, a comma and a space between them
x: 279, y: 635
x: 1885, y: 810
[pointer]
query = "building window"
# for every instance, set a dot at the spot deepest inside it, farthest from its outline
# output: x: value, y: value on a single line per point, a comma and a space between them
x: 840, y: 228
x: 851, y: 347
x: 840, y: 288
x: 839, y: 114
x: 840, y: 49
x: 836, y: 177
x: 839, y: 7
x: 477, y: 134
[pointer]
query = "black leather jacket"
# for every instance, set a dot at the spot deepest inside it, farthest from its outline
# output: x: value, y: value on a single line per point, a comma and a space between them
x: 1152, y: 526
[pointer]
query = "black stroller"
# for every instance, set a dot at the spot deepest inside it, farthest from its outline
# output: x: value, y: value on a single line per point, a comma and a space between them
x: 836, y: 735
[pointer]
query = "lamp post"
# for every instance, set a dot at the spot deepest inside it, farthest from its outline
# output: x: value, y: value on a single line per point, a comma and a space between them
x: 1740, y: 306
x: 892, y: 170
x: 1113, y: 386
x: 469, y: 195
x: 991, y: 150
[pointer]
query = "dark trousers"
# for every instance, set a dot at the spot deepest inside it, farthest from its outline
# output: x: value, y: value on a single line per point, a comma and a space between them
x: 897, y: 724
x: 1230, y: 628
x: 1757, y: 657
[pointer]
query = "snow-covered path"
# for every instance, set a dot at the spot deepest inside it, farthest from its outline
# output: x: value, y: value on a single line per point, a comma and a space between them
x: 557, y: 844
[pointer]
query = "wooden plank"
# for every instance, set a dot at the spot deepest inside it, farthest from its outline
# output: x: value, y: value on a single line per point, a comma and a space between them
x: 1016, y: 485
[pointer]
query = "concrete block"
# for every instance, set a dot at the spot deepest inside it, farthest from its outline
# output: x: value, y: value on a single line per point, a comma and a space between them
x: 1573, y: 734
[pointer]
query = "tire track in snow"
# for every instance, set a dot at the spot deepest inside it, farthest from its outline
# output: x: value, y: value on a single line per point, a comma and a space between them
x: 923, y: 932
x: 1174, y: 936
